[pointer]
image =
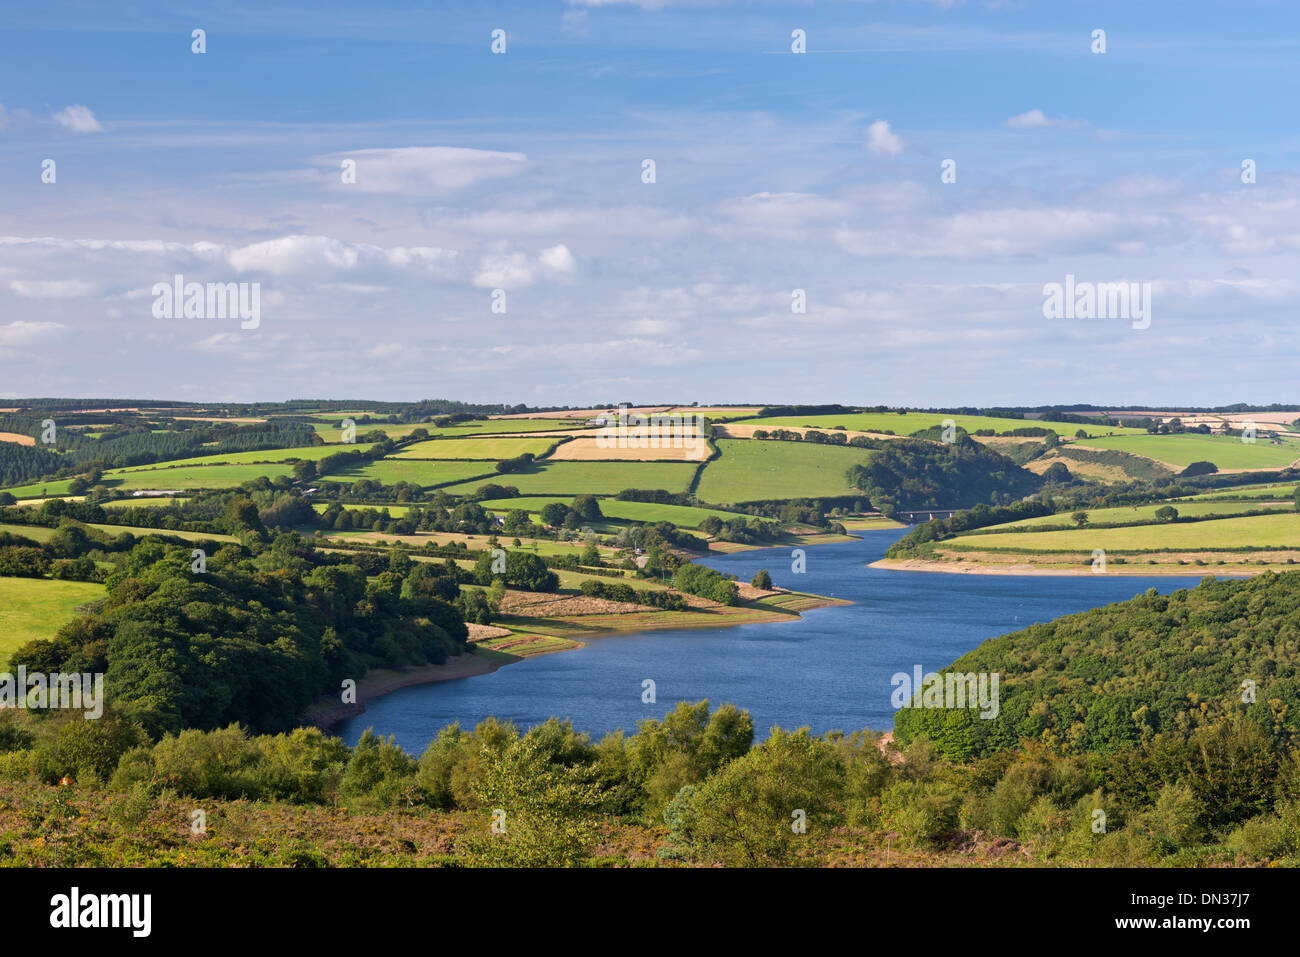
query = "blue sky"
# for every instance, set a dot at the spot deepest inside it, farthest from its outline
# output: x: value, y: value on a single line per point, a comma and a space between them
x: 774, y: 171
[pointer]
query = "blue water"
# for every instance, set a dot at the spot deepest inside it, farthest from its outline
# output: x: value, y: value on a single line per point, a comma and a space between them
x: 828, y: 670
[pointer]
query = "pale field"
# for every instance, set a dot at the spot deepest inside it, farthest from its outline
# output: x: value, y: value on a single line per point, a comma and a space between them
x: 583, y: 413
x: 589, y: 450
x: 1092, y: 470
x: 735, y: 431
x: 17, y: 437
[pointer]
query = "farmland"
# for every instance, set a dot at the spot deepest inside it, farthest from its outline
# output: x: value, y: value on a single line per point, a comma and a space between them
x: 311, y: 453
x: 1181, y: 450
x: 595, y: 478
x: 415, y: 471
x: 1146, y: 513
x: 1257, y: 531
x: 194, y: 476
x: 588, y: 450
x: 36, y: 608
x: 748, y: 470
x: 910, y: 422
x: 490, y: 449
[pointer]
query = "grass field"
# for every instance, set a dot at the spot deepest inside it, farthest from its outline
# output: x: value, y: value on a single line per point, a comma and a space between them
x: 329, y: 431
x: 37, y: 607
x: 1182, y: 450
x: 1263, y: 531
x: 1279, y: 493
x: 144, y: 502
x: 37, y: 533
x: 488, y: 449
x: 685, y: 516
x: 391, y: 471
x: 40, y: 489
x: 750, y: 470
x: 40, y: 533
x: 1186, y: 508
x: 195, y: 476
x: 915, y: 421
x: 312, y: 452
x: 595, y: 478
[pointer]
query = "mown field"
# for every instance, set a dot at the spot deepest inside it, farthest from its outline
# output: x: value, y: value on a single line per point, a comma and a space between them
x: 40, y: 489
x: 195, y: 476
x: 415, y: 471
x: 1146, y: 513
x: 915, y: 421
x: 684, y: 516
x: 37, y: 607
x: 1257, y: 531
x: 1280, y: 493
x: 1225, y: 451
x: 488, y: 449
x: 330, y: 431
x: 749, y: 470
x: 311, y: 452
x: 595, y: 478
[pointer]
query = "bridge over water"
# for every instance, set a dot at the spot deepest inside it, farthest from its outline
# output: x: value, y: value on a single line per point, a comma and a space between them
x: 924, y: 515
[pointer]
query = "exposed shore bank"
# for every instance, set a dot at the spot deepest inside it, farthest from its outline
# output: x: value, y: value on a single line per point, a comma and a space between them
x: 328, y: 711
x: 1029, y: 569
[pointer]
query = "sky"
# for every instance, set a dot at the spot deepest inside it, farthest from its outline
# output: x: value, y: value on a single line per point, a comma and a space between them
x: 503, y: 239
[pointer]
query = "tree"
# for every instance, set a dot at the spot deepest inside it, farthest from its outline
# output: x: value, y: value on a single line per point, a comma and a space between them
x: 304, y: 470
x: 761, y: 807
x: 1166, y: 513
x: 1080, y: 518
x: 590, y: 557
x: 544, y: 813
x: 762, y: 580
x: 588, y: 508
x: 554, y: 513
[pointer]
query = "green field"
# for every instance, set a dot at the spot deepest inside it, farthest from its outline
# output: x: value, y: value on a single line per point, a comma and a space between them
x: 1270, y: 493
x: 37, y: 533
x: 37, y: 607
x: 684, y: 516
x: 490, y: 449
x: 40, y: 489
x: 329, y: 431
x: 595, y: 478
x: 1225, y: 451
x: 40, y: 533
x: 313, y: 452
x: 1262, y: 531
x: 195, y: 476
x: 1144, y: 513
x: 392, y: 471
x: 750, y: 470
x: 144, y: 502
x: 911, y: 422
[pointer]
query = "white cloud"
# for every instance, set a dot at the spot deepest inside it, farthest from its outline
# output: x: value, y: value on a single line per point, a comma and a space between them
x: 23, y: 333
x: 421, y: 169
x: 558, y: 259
x: 53, y: 289
x: 1037, y: 119
x: 883, y: 141
x: 78, y: 119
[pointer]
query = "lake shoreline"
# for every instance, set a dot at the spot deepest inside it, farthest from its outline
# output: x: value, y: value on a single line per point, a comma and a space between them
x: 326, y: 713
x: 1135, y: 571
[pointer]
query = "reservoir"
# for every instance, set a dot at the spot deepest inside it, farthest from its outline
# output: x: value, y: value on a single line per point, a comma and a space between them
x: 829, y: 670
